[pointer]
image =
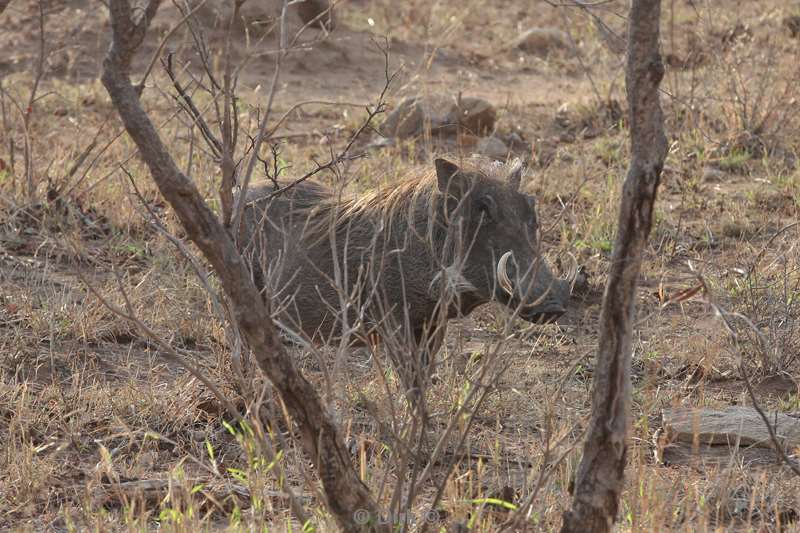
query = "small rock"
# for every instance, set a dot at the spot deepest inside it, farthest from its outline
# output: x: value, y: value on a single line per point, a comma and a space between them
x: 713, y: 175
x: 492, y: 147
x: 405, y: 120
x: 475, y: 115
x: 542, y: 41
x: 444, y: 115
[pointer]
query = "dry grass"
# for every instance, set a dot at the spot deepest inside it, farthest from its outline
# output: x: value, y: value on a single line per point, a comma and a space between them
x: 89, y: 409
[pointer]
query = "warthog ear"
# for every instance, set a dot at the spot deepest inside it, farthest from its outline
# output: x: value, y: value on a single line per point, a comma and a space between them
x: 445, y: 170
x: 515, y: 174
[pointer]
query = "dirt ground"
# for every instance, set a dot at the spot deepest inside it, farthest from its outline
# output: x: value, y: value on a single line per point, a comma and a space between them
x: 100, y: 431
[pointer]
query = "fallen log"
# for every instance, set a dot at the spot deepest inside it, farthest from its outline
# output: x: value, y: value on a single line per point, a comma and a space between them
x: 732, y: 425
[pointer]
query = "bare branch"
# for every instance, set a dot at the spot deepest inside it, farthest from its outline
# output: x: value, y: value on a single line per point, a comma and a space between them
x: 725, y: 316
x: 262, y: 128
x: 168, y: 351
x: 187, y: 103
x: 344, y: 153
x: 600, y: 476
x: 28, y: 111
x: 164, y: 40
x: 776, y: 444
x: 228, y: 125
x: 171, y: 354
x: 320, y: 436
x: 279, y: 123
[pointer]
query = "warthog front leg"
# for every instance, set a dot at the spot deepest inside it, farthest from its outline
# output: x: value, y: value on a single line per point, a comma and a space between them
x: 416, y: 370
x: 429, y: 344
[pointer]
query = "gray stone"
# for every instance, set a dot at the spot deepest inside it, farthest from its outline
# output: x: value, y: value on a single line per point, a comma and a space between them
x: 542, y: 41
x: 442, y: 114
x: 492, y: 147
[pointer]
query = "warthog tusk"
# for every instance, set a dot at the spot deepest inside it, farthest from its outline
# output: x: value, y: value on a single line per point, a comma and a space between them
x: 505, y: 282
x: 502, y: 274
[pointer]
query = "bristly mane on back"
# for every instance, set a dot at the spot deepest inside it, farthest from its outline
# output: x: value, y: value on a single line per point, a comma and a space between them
x: 413, y: 204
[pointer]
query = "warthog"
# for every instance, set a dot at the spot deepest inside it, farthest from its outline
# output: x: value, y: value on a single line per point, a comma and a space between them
x: 402, y: 259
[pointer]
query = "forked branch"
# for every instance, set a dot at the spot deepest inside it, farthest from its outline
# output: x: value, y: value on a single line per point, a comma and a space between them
x: 320, y: 436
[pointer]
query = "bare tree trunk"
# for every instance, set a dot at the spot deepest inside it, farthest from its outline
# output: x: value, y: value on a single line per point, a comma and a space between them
x: 600, y: 476
x: 348, y: 498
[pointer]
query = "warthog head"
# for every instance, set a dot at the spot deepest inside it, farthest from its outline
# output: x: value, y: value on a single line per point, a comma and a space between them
x: 498, y: 230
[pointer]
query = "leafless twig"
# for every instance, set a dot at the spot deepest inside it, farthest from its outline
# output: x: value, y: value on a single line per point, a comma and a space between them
x: 262, y: 129
x: 344, y: 154
x: 157, y: 53
x: 725, y: 316
x: 320, y: 436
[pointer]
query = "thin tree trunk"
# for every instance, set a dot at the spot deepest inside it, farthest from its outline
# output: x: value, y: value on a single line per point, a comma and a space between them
x: 348, y: 499
x: 600, y: 476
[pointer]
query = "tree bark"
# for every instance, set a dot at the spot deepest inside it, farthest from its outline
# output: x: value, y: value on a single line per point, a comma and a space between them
x: 600, y: 476
x: 348, y: 499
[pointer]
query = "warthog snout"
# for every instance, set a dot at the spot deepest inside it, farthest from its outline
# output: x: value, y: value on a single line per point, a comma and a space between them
x: 539, y: 296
